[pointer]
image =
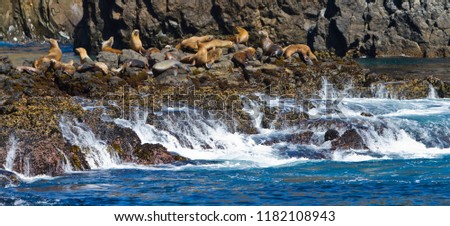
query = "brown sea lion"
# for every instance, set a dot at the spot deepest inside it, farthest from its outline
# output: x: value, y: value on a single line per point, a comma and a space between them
x: 107, y: 46
x: 67, y: 68
x: 191, y: 43
x: 153, y: 50
x: 54, y: 53
x: 240, y: 58
x: 213, y: 56
x: 217, y: 43
x: 84, y: 57
x: 169, y: 56
x: 303, y: 50
x: 136, y: 43
x: 87, y: 64
x: 269, y: 48
x: 241, y: 37
x: 200, y: 58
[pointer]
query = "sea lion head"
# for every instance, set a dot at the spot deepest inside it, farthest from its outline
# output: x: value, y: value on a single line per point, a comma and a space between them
x: 263, y: 34
x: 53, y: 42
x: 240, y: 29
x: 135, y: 32
x: 210, y: 37
x: 81, y: 51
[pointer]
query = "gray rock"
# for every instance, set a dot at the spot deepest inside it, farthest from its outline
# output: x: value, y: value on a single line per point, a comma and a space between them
x: 129, y: 54
x: 110, y: 59
x: 173, y: 77
x: 156, y: 58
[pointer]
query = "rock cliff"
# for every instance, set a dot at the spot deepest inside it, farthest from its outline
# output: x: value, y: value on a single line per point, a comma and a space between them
x: 418, y: 28
x: 22, y: 20
x: 363, y: 27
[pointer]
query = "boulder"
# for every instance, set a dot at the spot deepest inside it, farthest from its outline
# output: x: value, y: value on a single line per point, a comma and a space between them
x: 331, y: 134
x: 110, y: 59
x: 349, y: 140
x: 129, y: 54
x: 151, y: 154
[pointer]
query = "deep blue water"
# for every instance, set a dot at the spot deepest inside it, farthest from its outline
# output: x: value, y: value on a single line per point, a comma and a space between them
x: 379, y: 182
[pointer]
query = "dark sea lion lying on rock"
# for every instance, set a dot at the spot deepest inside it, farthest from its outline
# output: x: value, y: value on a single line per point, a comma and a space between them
x: 163, y: 66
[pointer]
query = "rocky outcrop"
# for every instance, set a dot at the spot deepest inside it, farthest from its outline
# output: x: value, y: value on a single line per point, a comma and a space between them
x: 361, y: 27
x: 22, y: 20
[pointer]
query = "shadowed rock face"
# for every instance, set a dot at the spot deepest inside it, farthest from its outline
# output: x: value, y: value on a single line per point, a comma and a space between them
x: 368, y: 27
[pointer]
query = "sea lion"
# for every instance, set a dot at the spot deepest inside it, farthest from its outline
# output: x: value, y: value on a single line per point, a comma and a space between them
x: 67, y: 68
x: 240, y: 58
x: 217, y: 43
x: 200, y: 58
x: 107, y: 46
x: 130, y: 63
x: 165, y: 65
x: 54, y: 53
x: 269, y: 48
x: 153, y: 50
x: 169, y: 56
x: 213, y: 55
x: 191, y: 43
x: 302, y: 50
x: 87, y: 64
x: 241, y: 37
x: 84, y: 57
x: 27, y: 69
x: 136, y: 43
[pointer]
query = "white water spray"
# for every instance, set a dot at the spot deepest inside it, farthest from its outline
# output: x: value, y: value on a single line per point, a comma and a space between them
x: 11, y: 155
x: 432, y: 94
x: 97, y: 154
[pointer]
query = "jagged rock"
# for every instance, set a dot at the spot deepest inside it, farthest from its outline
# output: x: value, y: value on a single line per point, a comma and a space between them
x: 128, y: 54
x: 110, y: 59
x: 331, y: 134
x: 349, y: 140
x: 301, y: 138
x: 33, y: 20
x: 150, y: 154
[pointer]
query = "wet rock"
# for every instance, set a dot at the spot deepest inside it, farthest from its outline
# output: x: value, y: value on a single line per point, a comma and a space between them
x: 8, y: 178
x: 331, y: 134
x: 151, y: 154
x: 129, y: 54
x: 110, y: 59
x: 366, y: 114
x: 301, y: 138
x: 349, y: 140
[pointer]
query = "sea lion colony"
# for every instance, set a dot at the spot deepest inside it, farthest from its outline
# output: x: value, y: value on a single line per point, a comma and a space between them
x: 205, y: 51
